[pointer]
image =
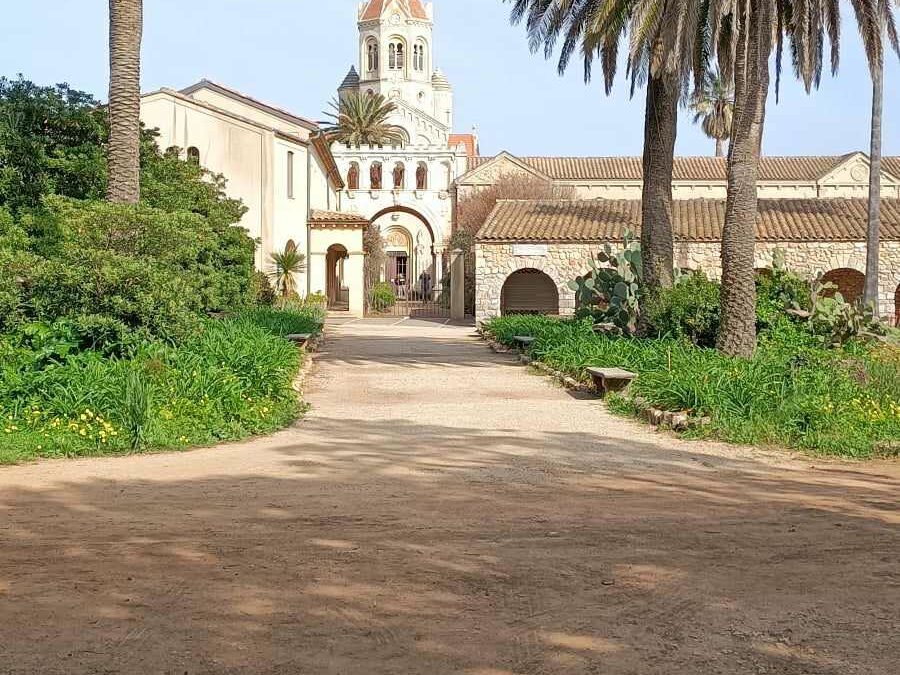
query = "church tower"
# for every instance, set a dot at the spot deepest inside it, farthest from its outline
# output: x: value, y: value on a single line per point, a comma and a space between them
x: 396, y: 58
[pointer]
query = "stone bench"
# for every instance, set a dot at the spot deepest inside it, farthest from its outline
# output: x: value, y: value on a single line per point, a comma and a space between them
x: 608, y: 380
x: 299, y: 339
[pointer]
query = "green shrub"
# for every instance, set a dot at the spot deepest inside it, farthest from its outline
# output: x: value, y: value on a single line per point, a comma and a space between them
x: 382, y: 297
x: 689, y: 309
x: 792, y: 393
x: 231, y: 380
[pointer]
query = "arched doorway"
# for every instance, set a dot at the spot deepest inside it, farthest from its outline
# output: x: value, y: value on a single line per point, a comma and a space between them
x: 529, y: 291
x: 336, y: 289
x: 897, y: 307
x: 850, y: 283
x: 411, y: 265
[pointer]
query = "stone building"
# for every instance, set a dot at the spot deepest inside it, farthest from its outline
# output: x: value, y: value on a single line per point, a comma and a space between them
x: 528, y: 251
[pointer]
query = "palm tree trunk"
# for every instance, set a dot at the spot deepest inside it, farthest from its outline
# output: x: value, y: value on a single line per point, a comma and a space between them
x: 720, y: 148
x: 737, y: 334
x: 660, y: 130
x: 125, y: 28
x: 873, y: 240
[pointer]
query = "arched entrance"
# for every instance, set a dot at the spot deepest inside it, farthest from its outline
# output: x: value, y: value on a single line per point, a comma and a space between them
x: 411, y: 266
x: 529, y: 291
x: 897, y: 306
x: 337, y: 291
x: 850, y: 283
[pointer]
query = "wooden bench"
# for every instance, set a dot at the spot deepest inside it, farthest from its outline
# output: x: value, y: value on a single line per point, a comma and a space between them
x: 608, y: 380
x: 300, y: 339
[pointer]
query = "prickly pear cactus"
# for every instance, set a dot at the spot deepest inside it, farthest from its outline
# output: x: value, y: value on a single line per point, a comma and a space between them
x: 613, y: 285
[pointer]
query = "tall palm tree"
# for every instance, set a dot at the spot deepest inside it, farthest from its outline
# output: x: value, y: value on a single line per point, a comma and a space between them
x: 886, y: 28
x: 713, y: 107
x: 749, y: 27
x: 125, y: 31
x: 361, y: 119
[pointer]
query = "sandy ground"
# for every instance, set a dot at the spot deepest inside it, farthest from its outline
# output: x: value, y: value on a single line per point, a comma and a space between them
x: 444, y: 510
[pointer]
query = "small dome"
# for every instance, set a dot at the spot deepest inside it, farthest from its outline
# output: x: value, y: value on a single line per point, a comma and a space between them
x: 440, y: 82
x: 352, y: 79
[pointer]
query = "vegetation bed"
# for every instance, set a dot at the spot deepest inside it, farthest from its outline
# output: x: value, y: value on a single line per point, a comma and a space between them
x: 232, y: 380
x: 792, y: 393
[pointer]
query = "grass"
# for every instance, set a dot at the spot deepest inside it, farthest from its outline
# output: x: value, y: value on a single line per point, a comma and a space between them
x: 231, y: 381
x: 792, y: 393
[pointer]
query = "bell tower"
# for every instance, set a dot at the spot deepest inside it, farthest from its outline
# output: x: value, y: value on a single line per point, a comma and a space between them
x: 395, y: 54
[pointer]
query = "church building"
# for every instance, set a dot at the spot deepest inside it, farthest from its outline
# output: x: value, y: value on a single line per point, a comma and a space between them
x: 321, y: 197
x: 405, y: 190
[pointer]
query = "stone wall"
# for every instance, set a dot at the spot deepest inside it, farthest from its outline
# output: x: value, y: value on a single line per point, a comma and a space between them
x: 563, y: 262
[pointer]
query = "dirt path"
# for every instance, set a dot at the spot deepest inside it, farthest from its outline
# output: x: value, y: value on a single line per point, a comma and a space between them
x: 441, y: 510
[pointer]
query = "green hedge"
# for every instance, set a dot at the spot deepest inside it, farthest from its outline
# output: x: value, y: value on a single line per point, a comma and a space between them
x: 792, y: 393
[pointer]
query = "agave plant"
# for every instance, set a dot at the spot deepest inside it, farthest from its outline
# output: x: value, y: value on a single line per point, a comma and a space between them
x: 361, y: 119
x: 285, y: 264
x: 614, y: 283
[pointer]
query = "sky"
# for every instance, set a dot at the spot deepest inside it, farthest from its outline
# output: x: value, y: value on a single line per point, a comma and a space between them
x: 294, y: 53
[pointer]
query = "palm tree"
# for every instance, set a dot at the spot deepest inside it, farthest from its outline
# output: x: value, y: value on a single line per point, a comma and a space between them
x: 285, y: 264
x: 125, y: 29
x: 885, y: 26
x: 664, y: 47
x: 361, y: 119
x: 713, y: 107
x: 748, y: 28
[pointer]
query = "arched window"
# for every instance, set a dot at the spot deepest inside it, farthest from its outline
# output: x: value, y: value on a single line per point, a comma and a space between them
x: 399, y: 175
x: 375, y: 176
x: 422, y: 176
x: 353, y: 176
x: 372, y: 56
x: 419, y: 57
x: 193, y: 155
x: 396, y: 56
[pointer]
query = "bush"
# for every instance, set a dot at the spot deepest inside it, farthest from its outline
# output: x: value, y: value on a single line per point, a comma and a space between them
x: 689, y: 309
x: 790, y: 394
x: 383, y: 297
x: 233, y: 379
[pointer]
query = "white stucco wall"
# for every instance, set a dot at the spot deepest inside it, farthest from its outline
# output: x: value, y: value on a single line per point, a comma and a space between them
x: 238, y: 150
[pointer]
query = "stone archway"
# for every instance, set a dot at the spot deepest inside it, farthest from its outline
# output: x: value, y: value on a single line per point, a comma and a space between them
x: 413, y: 265
x: 529, y: 291
x: 850, y: 282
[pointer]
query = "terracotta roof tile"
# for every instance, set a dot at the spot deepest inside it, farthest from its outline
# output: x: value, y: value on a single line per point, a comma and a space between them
x: 698, y: 220
x: 375, y: 9
x: 322, y: 218
x: 686, y: 168
x: 467, y: 140
x: 891, y: 165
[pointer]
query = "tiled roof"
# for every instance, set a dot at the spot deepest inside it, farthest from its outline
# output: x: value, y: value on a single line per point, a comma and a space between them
x: 336, y: 219
x: 376, y: 7
x: 698, y: 220
x: 253, y: 102
x: 891, y: 165
x: 468, y: 140
x: 788, y: 169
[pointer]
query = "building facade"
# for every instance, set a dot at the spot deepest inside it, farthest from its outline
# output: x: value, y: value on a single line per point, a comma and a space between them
x: 813, y: 209
x: 405, y: 190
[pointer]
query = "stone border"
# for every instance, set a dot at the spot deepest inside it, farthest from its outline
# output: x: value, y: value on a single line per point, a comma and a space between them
x: 308, y: 351
x: 661, y: 419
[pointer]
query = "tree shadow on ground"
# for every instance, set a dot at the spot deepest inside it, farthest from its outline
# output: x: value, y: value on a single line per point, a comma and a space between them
x: 353, y: 546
